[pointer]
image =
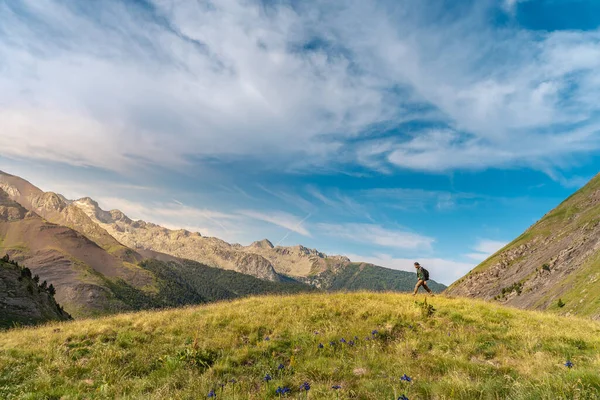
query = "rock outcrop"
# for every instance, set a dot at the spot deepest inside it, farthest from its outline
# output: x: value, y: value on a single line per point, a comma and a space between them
x: 23, y: 301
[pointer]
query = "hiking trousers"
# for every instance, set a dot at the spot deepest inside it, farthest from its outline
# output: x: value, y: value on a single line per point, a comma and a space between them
x: 420, y: 283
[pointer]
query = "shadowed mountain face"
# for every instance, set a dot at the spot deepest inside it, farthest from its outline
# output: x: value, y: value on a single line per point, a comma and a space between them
x: 23, y: 301
x: 557, y: 258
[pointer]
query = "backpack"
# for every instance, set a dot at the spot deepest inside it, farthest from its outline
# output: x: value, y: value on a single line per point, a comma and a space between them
x: 425, y: 274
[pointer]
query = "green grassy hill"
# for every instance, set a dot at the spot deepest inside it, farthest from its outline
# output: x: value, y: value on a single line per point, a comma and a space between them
x: 361, y: 276
x: 554, y: 265
x: 459, y: 349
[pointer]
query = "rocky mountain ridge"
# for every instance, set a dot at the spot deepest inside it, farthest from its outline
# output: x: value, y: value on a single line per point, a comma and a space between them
x: 554, y: 265
x: 260, y: 259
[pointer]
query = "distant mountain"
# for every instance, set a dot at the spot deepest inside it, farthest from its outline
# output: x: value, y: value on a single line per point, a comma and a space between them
x: 24, y: 300
x: 79, y: 269
x: 554, y: 265
x: 260, y: 259
x: 101, y: 261
x: 57, y: 209
x: 362, y: 276
x: 91, y: 281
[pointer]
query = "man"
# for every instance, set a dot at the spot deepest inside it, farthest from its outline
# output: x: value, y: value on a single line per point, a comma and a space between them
x: 422, y: 278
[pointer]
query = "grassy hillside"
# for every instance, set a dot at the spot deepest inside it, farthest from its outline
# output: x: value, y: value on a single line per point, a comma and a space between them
x: 460, y: 349
x: 557, y: 258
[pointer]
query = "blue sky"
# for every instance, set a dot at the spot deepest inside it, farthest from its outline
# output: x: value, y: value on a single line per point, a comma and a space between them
x: 388, y: 131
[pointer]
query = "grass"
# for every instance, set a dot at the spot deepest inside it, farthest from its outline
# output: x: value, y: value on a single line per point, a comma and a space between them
x: 451, y: 348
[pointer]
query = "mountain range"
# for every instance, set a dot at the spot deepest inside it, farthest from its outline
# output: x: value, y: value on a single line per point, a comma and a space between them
x: 103, y: 262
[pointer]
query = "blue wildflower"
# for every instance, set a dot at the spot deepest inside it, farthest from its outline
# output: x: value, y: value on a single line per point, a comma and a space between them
x: 305, y: 386
x: 280, y: 367
x: 267, y: 338
x: 374, y: 332
x: 403, y: 397
x: 321, y: 345
x: 405, y: 378
x: 332, y: 343
x: 316, y: 332
x: 336, y: 387
x: 282, y: 390
x: 342, y: 340
x: 212, y: 394
x: 267, y: 378
x: 569, y: 364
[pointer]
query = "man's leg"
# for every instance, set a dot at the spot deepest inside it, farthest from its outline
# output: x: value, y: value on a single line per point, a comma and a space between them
x: 426, y: 287
x: 419, y: 283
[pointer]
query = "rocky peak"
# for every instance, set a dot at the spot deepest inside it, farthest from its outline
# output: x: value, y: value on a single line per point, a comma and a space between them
x: 10, y: 210
x: 262, y: 244
x: 87, y: 201
x: 119, y: 216
x: 49, y: 201
x: 10, y: 189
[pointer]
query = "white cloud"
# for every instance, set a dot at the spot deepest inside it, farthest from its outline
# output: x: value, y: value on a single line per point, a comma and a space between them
x: 115, y: 86
x: 377, y: 235
x: 441, y: 270
x: 485, y: 248
x: 279, y: 218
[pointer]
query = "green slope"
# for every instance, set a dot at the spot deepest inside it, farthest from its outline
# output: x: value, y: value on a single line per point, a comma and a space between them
x: 460, y: 349
x: 556, y: 258
x: 357, y: 276
x: 362, y: 276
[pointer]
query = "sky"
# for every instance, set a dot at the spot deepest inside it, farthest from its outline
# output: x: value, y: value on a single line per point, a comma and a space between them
x: 387, y: 131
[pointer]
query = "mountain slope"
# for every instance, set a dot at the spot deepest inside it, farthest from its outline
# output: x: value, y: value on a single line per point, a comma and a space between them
x: 77, y: 267
x: 91, y: 281
x: 556, y: 258
x: 362, y: 276
x: 179, y: 243
x: 58, y: 210
x: 464, y: 349
x: 23, y: 301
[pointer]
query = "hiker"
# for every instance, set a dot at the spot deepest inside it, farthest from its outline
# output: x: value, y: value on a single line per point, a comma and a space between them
x: 422, y: 278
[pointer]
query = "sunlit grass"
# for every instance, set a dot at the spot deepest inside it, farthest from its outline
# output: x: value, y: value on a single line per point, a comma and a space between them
x: 464, y: 350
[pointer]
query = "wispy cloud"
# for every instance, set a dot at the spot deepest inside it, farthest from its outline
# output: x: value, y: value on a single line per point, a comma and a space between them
x: 290, y: 197
x: 377, y: 235
x: 420, y: 199
x: 485, y: 248
x: 120, y: 85
x: 279, y: 218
